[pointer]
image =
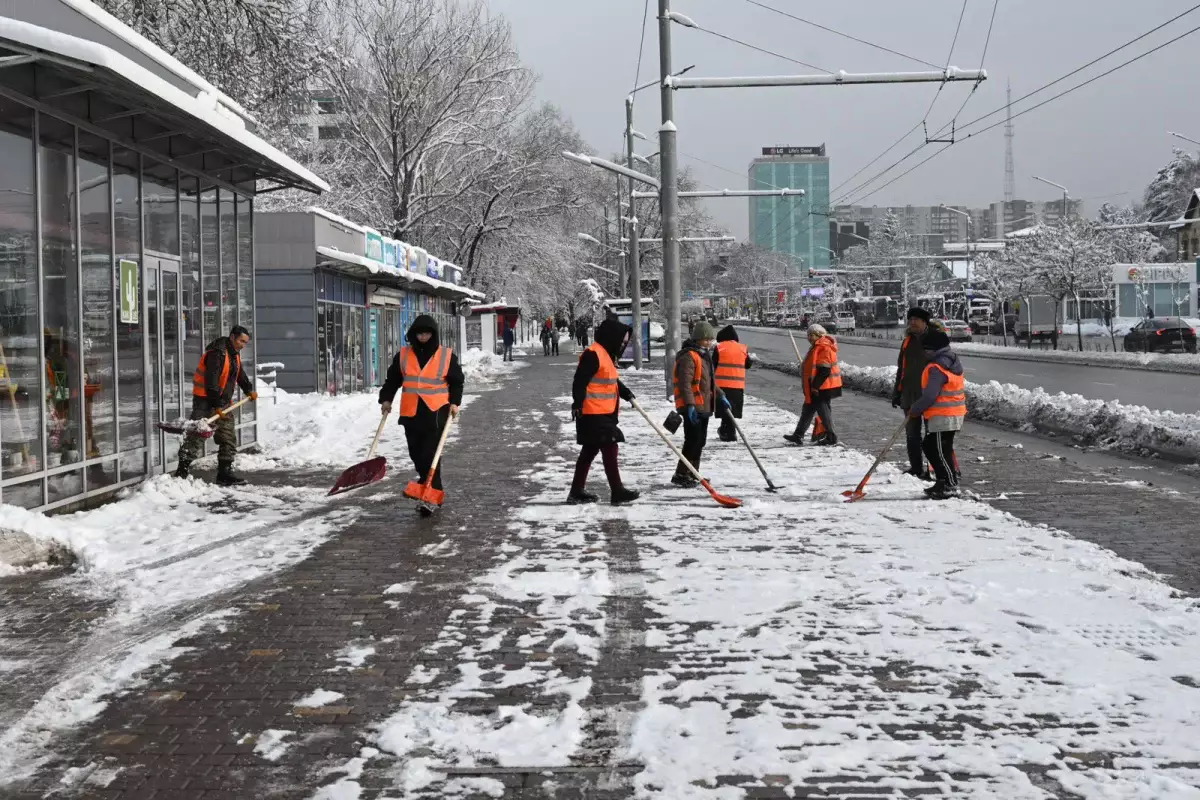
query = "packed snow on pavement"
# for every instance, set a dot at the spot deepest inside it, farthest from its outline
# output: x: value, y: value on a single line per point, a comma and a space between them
x: 170, y: 544
x: 1106, y: 424
x: 892, y: 643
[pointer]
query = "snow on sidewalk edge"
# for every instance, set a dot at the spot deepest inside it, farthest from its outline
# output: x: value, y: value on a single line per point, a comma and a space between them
x: 1105, y: 424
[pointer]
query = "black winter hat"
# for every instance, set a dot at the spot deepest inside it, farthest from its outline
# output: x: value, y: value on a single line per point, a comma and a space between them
x: 935, y: 340
x: 727, y: 334
x: 919, y: 313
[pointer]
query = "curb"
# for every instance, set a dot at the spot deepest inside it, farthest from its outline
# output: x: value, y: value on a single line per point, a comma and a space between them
x: 1163, y: 450
x: 1019, y: 354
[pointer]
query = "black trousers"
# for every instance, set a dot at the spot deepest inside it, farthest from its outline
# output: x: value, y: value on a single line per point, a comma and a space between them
x: 914, y: 431
x: 508, y: 352
x: 694, y: 439
x: 545, y: 347
x: 939, y: 449
x: 737, y: 399
x: 423, y: 433
x: 554, y: 343
x: 819, y: 407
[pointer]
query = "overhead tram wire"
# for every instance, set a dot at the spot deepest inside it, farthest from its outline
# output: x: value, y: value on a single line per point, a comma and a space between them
x: 839, y: 33
x: 711, y: 32
x: 637, y: 77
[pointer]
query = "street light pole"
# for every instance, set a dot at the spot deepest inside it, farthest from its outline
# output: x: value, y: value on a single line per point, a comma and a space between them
x: 669, y: 201
x: 1057, y: 186
x: 1185, y: 138
x: 635, y: 258
x: 970, y: 238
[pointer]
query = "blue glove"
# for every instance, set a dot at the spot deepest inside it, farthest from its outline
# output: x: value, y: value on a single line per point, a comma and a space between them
x: 725, y: 403
x: 693, y: 416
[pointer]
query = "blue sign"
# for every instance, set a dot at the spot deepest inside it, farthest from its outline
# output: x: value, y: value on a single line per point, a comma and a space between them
x: 390, y: 247
x: 374, y: 247
x: 433, y: 267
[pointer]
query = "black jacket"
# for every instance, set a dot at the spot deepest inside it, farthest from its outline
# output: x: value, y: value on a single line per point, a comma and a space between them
x: 424, y: 352
x: 728, y: 334
x: 214, y: 362
x: 910, y: 364
x: 599, y: 429
x: 510, y: 336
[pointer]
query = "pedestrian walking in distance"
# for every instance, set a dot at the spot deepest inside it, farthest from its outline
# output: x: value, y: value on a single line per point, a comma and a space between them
x: 217, y: 374
x: 510, y: 338
x: 822, y: 379
x: 581, y: 333
x: 430, y: 382
x: 910, y: 371
x: 546, y: 330
x: 553, y: 338
x: 942, y: 407
x: 731, y: 361
x: 696, y: 397
x: 595, y: 393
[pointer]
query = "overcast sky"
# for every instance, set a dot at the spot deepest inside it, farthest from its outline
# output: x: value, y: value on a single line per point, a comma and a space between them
x: 1106, y: 139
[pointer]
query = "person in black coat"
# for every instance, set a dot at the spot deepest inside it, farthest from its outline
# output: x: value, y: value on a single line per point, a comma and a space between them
x: 599, y: 433
x: 423, y: 429
x: 510, y: 338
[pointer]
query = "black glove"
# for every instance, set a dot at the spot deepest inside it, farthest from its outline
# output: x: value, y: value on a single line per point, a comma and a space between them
x: 574, y: 413
x: 895, y: 400
x: 626, y: 395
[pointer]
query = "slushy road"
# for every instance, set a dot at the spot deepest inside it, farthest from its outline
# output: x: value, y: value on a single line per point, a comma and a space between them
x: 1156, y: 390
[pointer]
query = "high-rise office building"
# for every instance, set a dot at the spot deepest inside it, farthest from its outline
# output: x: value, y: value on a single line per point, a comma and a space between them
x: 795, y: 226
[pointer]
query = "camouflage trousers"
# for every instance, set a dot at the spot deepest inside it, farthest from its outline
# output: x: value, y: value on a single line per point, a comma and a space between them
x: 224, y: 435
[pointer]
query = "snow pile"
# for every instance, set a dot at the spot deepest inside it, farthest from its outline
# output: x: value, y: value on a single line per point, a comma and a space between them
x: 1106, y: 424
x: 1162, y: 362
x: 1095, y: 327
x: 481, y: 367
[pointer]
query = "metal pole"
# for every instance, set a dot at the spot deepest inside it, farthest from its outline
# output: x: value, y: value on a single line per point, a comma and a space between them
x: 669, y: 199
x: 635, y: 266
x: 622, y: 263
x: 607, y: 248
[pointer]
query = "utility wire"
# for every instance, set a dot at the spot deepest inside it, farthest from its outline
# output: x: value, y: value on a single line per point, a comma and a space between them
x: 839, y: 33
x: 637, y: 77
x: 949, y: 58
x: 761, y: 49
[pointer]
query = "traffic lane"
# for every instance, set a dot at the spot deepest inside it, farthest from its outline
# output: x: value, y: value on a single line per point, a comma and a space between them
x: 1161, y: 391
x: 1140, y: 510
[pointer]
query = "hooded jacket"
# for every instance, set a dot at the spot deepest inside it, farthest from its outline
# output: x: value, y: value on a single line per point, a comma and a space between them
x: 216, y: 353
x: 424, y: 352
x: 685, y: 367
x: 728, y: 334
x: 599, y: 429
x: 909, y: 366
x: 948, y: 360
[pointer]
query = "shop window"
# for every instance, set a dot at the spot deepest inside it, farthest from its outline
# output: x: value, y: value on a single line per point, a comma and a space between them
x: 210, y: 270
x: 99, y: 346
x: 60, y: 294
x: 161, y: 206
x: 20, y: 337
x: 193, y: 304
x: 322, y: 350
x: 355, y: 346
x: 131, y: 367
x: 245, y: 273
x: 24, y: 495
x: 229, y: 275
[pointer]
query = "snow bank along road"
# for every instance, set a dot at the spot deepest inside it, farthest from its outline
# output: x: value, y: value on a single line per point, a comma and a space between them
x: 1156, y: 390
x: 796, y: 647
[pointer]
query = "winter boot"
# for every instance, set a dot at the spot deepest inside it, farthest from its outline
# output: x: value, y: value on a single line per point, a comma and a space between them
x: 227, y: 477
x: 942, y: 491
x: 623, y: 494
x: 793, y: 438
x: 183, y: 470
x: 686, y: 481
x: 938, y: 486
x: 828, y: 440
x: 576, y: 498
x: 918, y: 474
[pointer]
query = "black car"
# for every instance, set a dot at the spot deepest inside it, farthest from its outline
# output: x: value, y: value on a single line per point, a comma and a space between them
x: 1161, y: 333
x: 1009, y: 321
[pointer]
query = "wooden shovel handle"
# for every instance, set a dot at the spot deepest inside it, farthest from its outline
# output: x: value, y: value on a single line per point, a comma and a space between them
x: 225, y: 411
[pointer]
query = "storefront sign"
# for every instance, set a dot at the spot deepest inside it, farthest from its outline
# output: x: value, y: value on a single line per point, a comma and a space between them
x: 374, y: 247
x: 433, y: 267
x: 1154, y: 273
x: 414, y: 259
x: 781, y: 296
x: 131, y: 292
x: 390, y: 247
x: 794, y: 151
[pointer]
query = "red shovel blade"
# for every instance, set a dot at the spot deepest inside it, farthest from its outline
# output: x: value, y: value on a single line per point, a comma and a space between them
x: 366, y: 472
x: 852, y: 495
x: 424, y: 493
x: 725, y: 500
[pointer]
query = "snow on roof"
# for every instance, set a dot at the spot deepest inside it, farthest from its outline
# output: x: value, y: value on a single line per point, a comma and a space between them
x: 492, y: 307
x: 1023, y: 232
x: 164, y: 59
x: 205, y: 106
x: 978, y: 247
x: 329, y: 215
x: 376, y: 268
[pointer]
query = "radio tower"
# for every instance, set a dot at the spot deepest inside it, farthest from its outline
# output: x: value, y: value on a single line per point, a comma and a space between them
x: 1010, y: 171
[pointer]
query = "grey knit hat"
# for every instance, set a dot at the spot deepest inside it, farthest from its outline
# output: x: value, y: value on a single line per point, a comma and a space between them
x: 702, y: 331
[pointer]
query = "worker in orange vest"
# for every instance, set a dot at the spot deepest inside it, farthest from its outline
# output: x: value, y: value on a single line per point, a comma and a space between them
x: 217, y: 375
x: 697, y: 398
x: 730, y: 363
x: 943, y: 407
x: 430, y: 381
x: 822, y: 378
x: 595, y: 395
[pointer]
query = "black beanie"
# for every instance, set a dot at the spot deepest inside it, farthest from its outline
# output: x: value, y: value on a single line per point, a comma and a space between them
x: 935, y: 339
x: 919, y: 313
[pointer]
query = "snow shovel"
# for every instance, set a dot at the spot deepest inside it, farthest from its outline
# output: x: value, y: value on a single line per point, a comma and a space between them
x: 199, y: 427
x: 728, y: 502
x: 424, y: 492
x: 365, y: 472
x: 857, y: 492
x: 729, y: 416
x: 796, y: 347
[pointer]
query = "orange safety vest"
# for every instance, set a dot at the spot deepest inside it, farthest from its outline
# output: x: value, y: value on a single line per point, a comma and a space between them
x: 731, y: 364
x: 679, y: 403
x: 823, y: 352
x: 903, y: 349
x: 428, y: 383
x: 602, y: 388
x: 198, y: 387
x: 952, y: 400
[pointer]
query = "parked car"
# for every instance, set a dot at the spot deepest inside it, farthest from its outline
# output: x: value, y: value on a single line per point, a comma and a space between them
x: 957, y: 330
x: 1159, y: 334
x: 845, y: 321
x: 1009, y: 321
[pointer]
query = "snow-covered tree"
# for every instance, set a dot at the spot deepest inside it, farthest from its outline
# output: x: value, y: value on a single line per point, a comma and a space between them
x: 1069, y: 256
x: 1168, y: 194
x: 1000, y: 276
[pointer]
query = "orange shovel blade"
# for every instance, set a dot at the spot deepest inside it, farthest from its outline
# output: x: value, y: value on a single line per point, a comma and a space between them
x: 725, y: 500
